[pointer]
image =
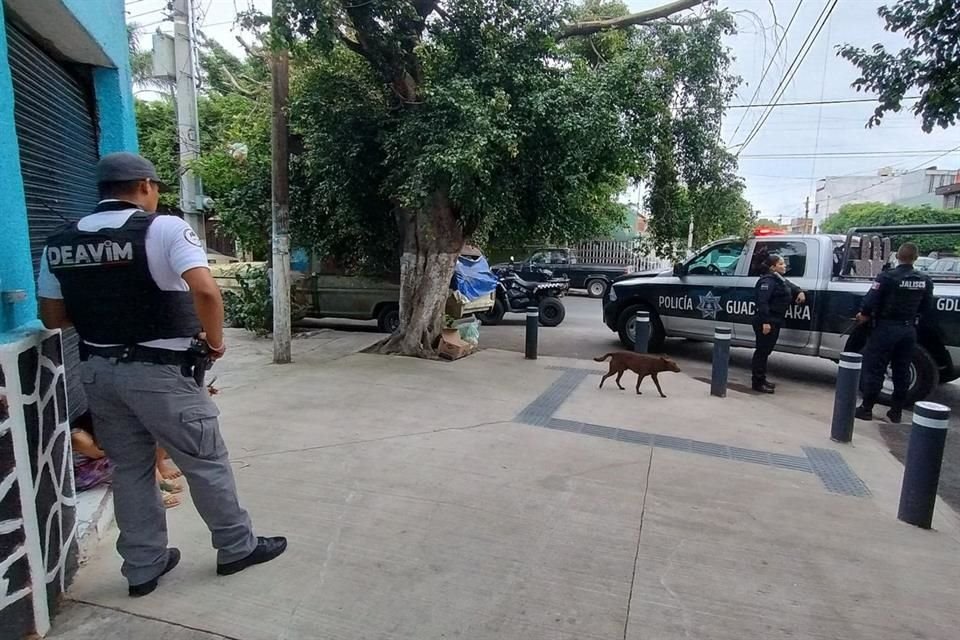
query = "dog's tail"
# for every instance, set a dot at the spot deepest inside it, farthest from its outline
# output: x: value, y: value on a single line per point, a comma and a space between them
x: 604, y: 357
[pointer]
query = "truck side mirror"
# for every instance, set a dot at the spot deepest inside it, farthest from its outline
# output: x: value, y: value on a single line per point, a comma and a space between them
x: 679, y: 269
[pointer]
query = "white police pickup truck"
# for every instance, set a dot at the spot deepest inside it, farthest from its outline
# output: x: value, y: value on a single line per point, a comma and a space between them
x: 715, y: 288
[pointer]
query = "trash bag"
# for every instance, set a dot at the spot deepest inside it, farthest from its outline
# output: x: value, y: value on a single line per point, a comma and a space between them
x: 470, y: 331
x: 472, y: 277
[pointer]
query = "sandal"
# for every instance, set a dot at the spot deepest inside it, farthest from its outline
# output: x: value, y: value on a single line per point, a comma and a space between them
x: 169, y: 486
x: 169, y: 500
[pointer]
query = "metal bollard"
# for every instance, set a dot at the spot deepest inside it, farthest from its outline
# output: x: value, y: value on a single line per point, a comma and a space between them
x: 533, y: 325
x: 845, y: 398
x: 641, y: 332
x: 721, y: 362
x: 921, y: 472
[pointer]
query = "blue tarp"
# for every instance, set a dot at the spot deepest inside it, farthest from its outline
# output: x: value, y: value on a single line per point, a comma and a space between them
x: 472, y: 277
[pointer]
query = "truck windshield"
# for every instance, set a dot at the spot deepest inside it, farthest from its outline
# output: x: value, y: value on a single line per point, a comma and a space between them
x: 719, y: 260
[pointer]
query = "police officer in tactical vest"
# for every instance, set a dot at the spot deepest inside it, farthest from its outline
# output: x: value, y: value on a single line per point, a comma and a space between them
x: 137, y: 288
x: 893, y: 306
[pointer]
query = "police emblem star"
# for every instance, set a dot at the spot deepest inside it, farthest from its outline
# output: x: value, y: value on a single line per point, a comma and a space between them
x: 709, y: 305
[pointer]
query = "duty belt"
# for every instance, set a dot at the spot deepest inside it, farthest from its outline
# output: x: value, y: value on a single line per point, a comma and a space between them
x: 891, y: 322
x: 136, y: 353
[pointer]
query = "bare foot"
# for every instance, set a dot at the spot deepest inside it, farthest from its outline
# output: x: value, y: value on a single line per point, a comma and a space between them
x: 169, y: 471
x: 169, y: 500
x: 165, y: 466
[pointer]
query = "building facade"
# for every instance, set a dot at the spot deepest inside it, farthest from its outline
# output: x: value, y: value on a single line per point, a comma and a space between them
x: 913, y: 188
x: 65, y: 100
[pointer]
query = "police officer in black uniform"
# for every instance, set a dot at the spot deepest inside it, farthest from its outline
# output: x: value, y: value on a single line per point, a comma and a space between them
x: 774, y: 294
x: 137, y: 288
x: 894, y: 304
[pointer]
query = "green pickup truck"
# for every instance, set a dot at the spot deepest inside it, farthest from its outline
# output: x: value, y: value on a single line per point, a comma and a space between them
x: 346, y: 296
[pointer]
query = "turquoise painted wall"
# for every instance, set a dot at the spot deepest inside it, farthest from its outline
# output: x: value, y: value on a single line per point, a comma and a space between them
x: 104, y: 20
x: 16, y: 268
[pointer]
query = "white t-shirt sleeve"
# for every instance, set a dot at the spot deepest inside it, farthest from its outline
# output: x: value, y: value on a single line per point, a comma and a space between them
x: 180, y: 245
x: 47, y: 284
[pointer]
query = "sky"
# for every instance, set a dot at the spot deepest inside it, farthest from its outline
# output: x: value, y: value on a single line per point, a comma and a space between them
x: 813, y: 135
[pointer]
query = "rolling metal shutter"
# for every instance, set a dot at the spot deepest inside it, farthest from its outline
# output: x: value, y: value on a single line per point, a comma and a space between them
x: 57, y: 134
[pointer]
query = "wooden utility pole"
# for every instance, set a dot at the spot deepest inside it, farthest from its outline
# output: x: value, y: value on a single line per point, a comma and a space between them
x: 281, y: 204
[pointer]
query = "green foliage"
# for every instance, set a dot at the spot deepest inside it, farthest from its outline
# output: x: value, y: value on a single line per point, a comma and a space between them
x: 930, y: 63
x: 249, y: 305
x: 881, y: 214
x: 769, y: 224
x: 531, y: 136
x: 157, y: 132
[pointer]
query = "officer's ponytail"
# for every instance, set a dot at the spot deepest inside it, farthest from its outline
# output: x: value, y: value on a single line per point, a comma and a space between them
x: 770, y: 262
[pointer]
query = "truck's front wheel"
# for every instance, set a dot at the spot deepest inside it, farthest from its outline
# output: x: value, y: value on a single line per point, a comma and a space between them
x: 924, y: 377
x: 596, y: 288
x: 626, y: 328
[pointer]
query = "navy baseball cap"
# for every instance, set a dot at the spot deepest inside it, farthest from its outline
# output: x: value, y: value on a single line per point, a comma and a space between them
x: 124, y: 166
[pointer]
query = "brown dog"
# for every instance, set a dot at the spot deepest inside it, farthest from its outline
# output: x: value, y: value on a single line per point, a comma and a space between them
x: 641, y: 364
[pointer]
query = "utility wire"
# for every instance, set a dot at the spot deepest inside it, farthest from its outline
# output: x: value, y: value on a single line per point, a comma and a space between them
x: 792, y: 71
x: 145, y: 13
x: 810, y: 103
x: 848, y: 154
x: 766, y: 70
x: 923, y: 164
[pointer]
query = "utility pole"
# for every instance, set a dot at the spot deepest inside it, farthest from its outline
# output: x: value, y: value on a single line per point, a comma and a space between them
x: 281, y: 200
x: 806, y: 216
x: 188, y: 129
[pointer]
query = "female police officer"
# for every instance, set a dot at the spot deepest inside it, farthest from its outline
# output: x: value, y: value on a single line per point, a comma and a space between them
x: 774, y: 295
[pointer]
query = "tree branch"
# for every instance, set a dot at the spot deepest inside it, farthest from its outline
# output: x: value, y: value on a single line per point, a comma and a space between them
x: 425, y: 7
x: 589, y: 27
x: 251, y: 51
x: 351, y: 44
x: 236, y: 85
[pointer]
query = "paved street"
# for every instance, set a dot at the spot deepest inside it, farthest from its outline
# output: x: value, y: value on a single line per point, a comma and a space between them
x: 806, y: 383
x: 495, y: 497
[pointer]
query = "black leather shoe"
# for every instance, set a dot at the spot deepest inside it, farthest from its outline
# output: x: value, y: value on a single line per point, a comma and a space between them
x: 772, y: 385
x: 140, y: 590
x: 267, y: 549
x: 895, y: 416
x: 763, y: 388
x: 863, y: 413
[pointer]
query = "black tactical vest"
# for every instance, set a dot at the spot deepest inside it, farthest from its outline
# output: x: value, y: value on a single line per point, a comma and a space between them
x: 110, y: 296
x: 907, y: 288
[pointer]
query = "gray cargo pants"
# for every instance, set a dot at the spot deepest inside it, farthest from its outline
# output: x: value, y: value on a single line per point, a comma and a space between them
x: 136, y: 406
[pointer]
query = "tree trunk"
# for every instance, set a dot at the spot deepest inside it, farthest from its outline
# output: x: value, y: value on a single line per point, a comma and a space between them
x: 432, y: 241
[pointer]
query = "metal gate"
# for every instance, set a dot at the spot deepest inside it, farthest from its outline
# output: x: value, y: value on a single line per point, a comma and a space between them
x: 57, y: 135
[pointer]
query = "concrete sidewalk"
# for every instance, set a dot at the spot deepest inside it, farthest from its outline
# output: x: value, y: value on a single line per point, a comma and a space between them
x: 501, y: 498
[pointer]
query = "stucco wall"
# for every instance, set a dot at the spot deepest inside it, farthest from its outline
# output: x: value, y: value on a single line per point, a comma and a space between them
x: 106, y: 23
x: 16, y: 269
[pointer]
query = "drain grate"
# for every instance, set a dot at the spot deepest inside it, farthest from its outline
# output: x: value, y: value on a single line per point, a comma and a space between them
x: 834, y: 472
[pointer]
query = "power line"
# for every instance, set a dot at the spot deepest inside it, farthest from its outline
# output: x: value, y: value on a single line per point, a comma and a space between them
x: 146, y: 13
x: 792, y: 70
x: 923, y: 164
x: 849, y: 154
x: 810, y: 103
x: 763, y: 76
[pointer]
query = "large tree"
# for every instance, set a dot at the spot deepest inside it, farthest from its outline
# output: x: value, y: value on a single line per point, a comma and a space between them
x: 434, y: 122
x: 930, y: 63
